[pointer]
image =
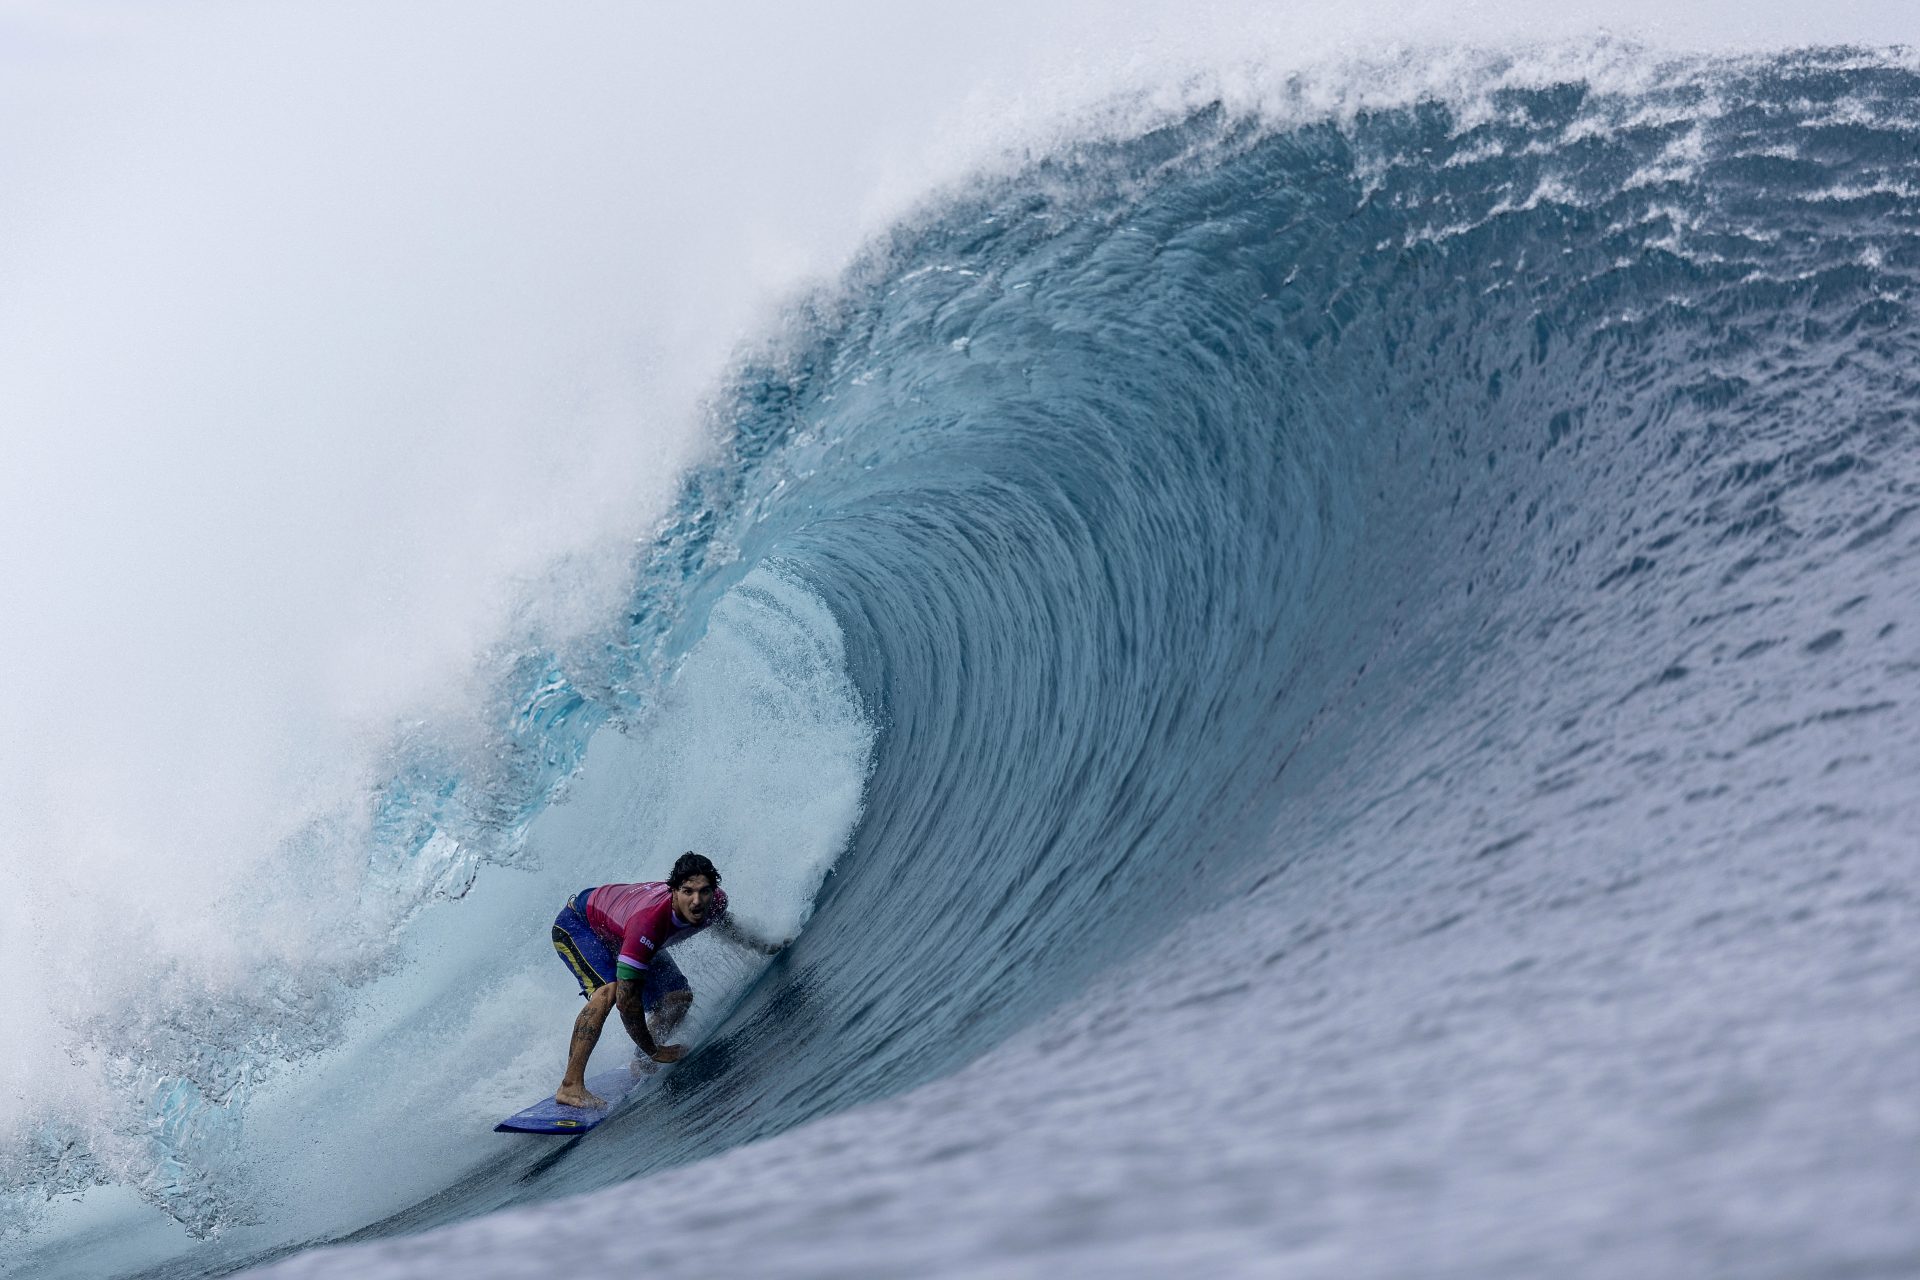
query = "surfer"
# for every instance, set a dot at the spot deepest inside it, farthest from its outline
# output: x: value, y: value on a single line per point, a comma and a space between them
x: 614, y: 937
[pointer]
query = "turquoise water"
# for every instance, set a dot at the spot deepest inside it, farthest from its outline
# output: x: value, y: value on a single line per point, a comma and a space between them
x: 1344, y: 685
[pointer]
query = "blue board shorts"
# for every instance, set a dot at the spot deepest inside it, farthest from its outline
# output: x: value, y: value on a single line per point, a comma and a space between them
x: 592, y: 965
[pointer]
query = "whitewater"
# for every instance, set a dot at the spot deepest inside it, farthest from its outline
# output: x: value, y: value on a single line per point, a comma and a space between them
x: 1314, y: 634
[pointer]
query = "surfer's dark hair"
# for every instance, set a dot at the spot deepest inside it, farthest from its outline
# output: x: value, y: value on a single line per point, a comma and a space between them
x: 692, y: 864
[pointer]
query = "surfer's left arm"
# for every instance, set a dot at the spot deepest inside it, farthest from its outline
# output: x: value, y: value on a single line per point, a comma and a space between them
x: 633, y: 1012
x: 733, y: 933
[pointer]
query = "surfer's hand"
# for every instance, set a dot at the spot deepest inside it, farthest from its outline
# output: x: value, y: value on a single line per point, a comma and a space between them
x: 667, y: 1052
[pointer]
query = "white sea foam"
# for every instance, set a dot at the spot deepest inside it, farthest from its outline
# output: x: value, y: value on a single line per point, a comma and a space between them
x: 342, y: 349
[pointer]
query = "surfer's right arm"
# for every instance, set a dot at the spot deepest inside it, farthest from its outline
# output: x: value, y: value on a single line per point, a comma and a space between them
x: 626, y: 998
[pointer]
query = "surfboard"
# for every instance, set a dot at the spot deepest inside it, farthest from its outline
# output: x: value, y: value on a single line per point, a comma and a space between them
x: 548, y: 1116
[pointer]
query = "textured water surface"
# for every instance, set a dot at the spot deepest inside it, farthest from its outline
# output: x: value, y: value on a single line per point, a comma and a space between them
x: 1388, y: 646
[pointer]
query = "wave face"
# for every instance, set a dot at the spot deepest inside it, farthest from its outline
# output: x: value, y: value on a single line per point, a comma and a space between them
x: 1386, y: 647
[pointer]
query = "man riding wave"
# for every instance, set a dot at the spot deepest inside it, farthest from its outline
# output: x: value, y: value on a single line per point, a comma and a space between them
x: 614, y: 938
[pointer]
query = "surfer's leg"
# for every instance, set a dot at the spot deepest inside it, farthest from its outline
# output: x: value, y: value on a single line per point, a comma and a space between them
x: 586, y: 957
x: 666, y: 997
x: 667, y: 1012
x: 586, y: 1034
x: 592, y: 967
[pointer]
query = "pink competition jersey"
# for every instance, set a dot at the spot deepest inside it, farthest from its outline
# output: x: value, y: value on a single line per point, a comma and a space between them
x: 636, y: 920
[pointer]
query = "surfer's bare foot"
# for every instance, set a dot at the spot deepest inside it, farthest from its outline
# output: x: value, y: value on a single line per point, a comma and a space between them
x: 576, y: 1095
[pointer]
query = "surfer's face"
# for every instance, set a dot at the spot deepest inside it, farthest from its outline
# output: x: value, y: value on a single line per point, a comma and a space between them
x: 693, y: 899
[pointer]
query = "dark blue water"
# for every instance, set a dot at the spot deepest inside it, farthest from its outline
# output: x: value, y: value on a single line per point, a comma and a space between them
x: 1388, y: 649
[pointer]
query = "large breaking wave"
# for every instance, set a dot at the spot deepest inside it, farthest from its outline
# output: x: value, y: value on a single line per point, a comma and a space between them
x: 1374, y: 644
